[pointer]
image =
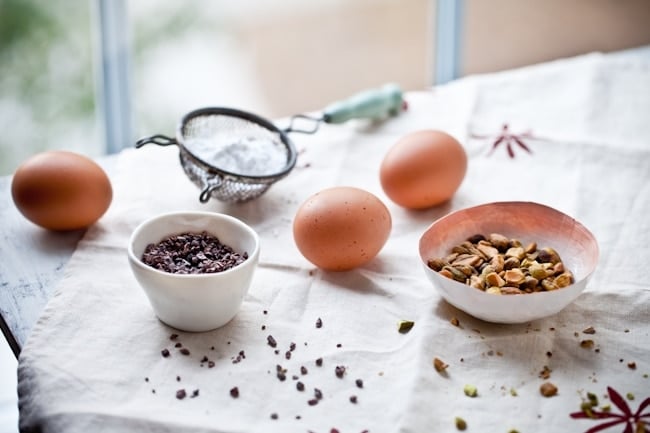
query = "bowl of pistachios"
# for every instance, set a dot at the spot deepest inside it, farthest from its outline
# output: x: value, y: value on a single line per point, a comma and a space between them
x: 509, y: 262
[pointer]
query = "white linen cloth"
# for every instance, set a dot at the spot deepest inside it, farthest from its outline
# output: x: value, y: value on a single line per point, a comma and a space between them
x: 93, y: 361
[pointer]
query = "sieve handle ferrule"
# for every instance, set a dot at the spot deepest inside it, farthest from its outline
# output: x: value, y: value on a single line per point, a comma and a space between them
x: 372, y: 104
x: 159, y: 139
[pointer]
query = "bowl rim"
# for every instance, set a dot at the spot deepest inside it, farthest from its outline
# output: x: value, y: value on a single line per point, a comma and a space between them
x: 587, y: 275
x: 222, y: 217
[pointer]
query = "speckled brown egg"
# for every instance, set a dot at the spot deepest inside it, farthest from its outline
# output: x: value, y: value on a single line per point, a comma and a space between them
x: 341, y: 228
x: 61, y: 190
x: 423, y: 169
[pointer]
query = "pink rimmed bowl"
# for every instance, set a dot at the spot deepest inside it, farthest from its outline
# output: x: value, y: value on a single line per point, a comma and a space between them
x: 528, y: 222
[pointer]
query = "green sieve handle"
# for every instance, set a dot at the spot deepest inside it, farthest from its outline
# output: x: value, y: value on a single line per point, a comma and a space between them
x: 370, y: 104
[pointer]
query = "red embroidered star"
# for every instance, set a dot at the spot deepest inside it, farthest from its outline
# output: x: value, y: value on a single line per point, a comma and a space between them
x: 508, y: 139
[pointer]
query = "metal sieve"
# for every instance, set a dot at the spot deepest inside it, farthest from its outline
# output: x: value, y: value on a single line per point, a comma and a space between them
x: 235, y: 156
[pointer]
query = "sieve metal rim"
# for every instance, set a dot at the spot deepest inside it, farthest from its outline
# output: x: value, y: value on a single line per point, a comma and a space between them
x: 245, y: 115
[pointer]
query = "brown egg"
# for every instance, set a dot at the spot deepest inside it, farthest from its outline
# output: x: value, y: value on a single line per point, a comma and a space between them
x: 61, y: 190
x: 423, y: 169
x: 341, y: 228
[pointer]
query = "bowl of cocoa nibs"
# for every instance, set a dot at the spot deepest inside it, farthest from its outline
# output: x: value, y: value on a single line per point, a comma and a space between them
x: 195, y: 267
x: 509, y: 262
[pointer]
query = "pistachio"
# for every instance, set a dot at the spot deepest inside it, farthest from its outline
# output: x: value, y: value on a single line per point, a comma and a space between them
x: 404, y: 326
x: 460, y: 249
x: 470, y: 391
x: 514, y: 277
x: 547, y: 389
x: 537, y: 271
x: 477, y: 282
x: 517, y: 252
x: 511, y: 263
x: 465, y: 269
x: 549, y: 285
x: 499, y: 241
x: 446, y: 273
x: 499, y: 265
x: 456, y: 274
x: 439, y: 365
x: 564, y: 280
x: 436, y: 264
x: 488, y: 250
x: 494, y: 280
x: 509, y: 290
x: 475, y: 239
x: 472, y: 260
x: 548, y: 255
x: 531, y: 248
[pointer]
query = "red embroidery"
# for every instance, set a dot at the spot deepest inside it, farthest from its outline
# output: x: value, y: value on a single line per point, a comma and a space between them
x: 508, y: 139
x: 637, y: 422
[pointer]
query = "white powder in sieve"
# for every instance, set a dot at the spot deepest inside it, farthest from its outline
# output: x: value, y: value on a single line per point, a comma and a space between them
x: 249, y: 156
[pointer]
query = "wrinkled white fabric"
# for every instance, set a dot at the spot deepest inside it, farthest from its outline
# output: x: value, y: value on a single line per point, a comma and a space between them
x: 93, y: 361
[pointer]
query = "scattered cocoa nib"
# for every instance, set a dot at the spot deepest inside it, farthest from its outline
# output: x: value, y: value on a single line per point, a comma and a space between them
x: 234, y: 392
x: 271, y: 341
x: 178, y: 378
x: 300, y: 386
x: 312, y: 402
x: 181, y: 394
x: 210, y: 364
x: 195, y: 393
x: 318, y: 394
x: 339, y: 370
x: 165, y: 353
x: 319, y: 323
x: 319, y: 362
x: 274, y: 415
x: 173, y: 336
x: 631, y: 365
x: 288, y: 354
x: 292, y: 346
x: 303, y: 370
x: 547, y: 389
x: 184, y: 351
x: 359, y: 383
x: 590, y: 330
x: 339, y: 345
x: 178, y: 345
x: 353, y: 399
x: 204, y: 359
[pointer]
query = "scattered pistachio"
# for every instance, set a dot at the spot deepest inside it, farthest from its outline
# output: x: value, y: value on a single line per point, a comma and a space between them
x: 439, y: 365
x: 513, y: 392
x: 547, y: 389
x: 470, y: 391
x: 629, y: 396
x: 606, y: 408
x: 593, y: 399
x: 460, y: 423
x: 404, y: 326
x: 587, y: 344
x: 590, y: 330
x: 513, y: 431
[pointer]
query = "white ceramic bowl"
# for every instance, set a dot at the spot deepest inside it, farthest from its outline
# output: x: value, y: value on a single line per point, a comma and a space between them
x: 195, y: 302
x: 528, y: 222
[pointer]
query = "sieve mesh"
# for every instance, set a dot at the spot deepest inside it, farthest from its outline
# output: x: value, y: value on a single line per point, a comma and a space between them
x: 232, y: 155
